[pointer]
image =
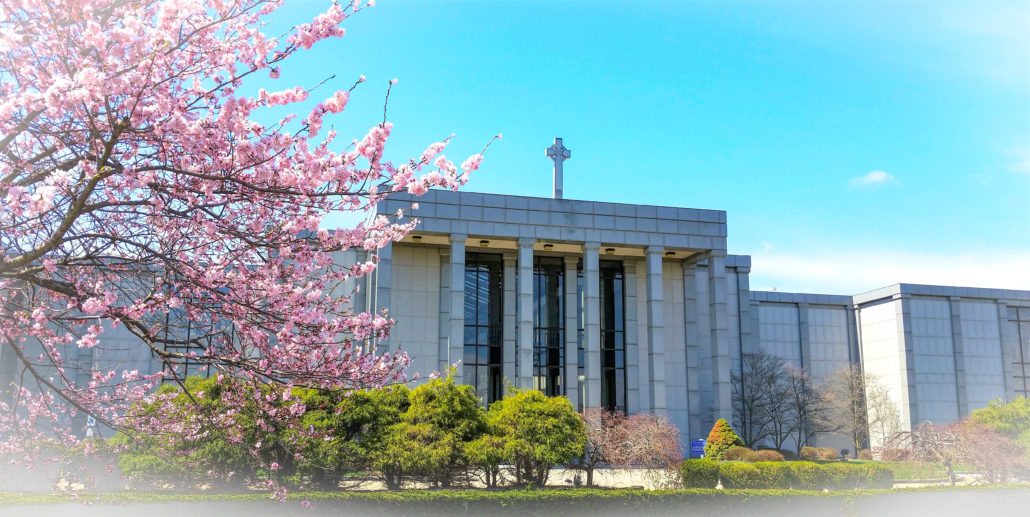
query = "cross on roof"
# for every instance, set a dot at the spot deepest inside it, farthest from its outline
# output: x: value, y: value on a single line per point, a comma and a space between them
x: 558, y: 153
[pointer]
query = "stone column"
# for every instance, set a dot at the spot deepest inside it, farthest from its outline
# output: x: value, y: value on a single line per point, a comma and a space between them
x: 510, y: 333
x: 955, y: 303
x: 719, y: 327
x: 457, y: 302
x: 909, y: 401
x: 592, y: 323
x: 525, y: 334
x: 443, y: 351
x: 748, y: 340
x: 571, y: 374
x: 690, y: 312
x: 655, y: 330
x: 1008, y: 332
x: 633, y: 386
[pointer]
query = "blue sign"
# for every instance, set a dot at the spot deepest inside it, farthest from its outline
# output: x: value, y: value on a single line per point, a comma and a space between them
x: 697, y: 448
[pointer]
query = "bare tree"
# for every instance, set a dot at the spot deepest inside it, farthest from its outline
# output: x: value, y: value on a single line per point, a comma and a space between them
x: 883, y: 415
x: 845, y: 390
x: 754, y: 395
x: 809, y: 411
x: 991, y: 454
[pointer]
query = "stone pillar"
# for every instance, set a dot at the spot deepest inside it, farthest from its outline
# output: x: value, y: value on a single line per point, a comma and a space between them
x: 955, y: 303
x: 1008, y: 332
x: 457, y: 303
x: 443, y: 351
x: 571, y: 374
x: 633, y: 386
x: 524, y: 348
x: 748, y: 340
x: 690, y: 318
x: 655, y: 330
x: 592, y: 323
x: 719, y: 327
x: 510, y: 332
x: 853, y: 348
x: 909, y: 401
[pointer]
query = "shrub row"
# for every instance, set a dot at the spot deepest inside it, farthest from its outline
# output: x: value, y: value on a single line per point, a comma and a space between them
x: 799, y: 475
x: 436, y: 434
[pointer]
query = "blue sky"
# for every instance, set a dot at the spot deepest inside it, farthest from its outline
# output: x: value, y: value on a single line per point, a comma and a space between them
x: 853, y: 145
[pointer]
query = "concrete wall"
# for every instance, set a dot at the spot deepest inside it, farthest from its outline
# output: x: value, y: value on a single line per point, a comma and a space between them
x: 415, y: 306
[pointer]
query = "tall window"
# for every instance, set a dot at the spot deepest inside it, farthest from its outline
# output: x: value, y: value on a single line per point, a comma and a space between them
x: 613, y: 337
x: 549, y: 325
x: 484, y: 295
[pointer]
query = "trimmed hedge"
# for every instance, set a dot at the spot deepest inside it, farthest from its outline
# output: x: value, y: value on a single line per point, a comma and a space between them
x: 799, y: 475
x: 737, y: 474
x: 878, y: 476
x: 778, y: 474
x: 699, y: 473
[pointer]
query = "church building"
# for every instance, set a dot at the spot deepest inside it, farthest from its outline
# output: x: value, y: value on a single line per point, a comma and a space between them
x: 642, y: 309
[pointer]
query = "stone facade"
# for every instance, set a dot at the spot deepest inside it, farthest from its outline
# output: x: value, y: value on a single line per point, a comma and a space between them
x: 688, y: 312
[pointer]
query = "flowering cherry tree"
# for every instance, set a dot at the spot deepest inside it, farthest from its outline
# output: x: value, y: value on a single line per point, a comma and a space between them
x: 138, y: 190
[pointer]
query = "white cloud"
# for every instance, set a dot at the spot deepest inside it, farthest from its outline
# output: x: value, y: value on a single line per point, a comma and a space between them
x: 855, y: 271
x: 871, y: 179
x: 1021, y: 160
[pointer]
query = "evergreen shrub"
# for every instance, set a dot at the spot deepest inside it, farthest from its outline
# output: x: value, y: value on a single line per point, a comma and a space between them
x: 720, y: 439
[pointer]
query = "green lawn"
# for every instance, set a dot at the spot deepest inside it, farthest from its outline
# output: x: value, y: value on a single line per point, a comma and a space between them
x: 999, y: 499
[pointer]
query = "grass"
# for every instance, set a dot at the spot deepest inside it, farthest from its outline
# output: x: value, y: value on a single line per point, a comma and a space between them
x: 503, y: 497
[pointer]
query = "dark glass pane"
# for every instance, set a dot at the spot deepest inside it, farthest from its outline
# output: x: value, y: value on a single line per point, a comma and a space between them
x: 496, y: 386
x: 495, y: 355
x: 608, y: 358
x: 608, y: 388
x: 553, y: 357
x: 483, y: 335
x: 496, y: 297
x: 620, y: 389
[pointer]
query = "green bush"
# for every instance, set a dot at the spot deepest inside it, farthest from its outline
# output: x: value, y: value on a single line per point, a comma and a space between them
x: 777, y: 474
x: 720, y: 439
x: 538, y: 433
x: 878, y: 475
x: 351, y: 429
x: 699, y: 473
x: 736, y: 474
x: 429, y: 441
x: 806, y: 476
x: 843, y: 476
